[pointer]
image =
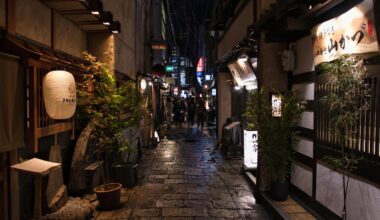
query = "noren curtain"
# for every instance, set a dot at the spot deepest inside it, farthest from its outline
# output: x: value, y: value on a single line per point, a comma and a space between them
x: 12, y: 103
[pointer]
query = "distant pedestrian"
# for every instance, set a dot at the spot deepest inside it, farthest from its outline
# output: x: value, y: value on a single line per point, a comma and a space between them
x: 176, y: 112
x: 190, y: 111
x: 169, y: 111
x: 201, y: 113
x: 182, y: 112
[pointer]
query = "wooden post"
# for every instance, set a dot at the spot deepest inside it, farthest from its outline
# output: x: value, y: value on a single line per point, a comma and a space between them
x: 33, y: 109
x: 4, y: 187
x: 37, y: 197
x: 38, y: 168
x: 11, y: 15
x: 14, y: 188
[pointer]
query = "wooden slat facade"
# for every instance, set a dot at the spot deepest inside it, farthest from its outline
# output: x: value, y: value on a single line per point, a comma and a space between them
x: 365, y: 142
x: 40, y: 124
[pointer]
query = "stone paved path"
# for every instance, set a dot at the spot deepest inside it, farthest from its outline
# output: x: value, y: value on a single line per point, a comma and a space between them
x: 184, y: 179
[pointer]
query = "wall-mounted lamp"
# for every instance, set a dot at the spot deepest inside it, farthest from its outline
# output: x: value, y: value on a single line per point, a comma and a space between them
x: 243, y: 58
x: 96, y: 7
x: 107, y: 18
x: 115, y: 27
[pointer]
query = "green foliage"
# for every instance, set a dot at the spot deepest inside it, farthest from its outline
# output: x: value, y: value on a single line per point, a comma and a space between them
x: 101, y: 101
x: 347, y: 99
x: 350, y: 96
x: 277, y: 136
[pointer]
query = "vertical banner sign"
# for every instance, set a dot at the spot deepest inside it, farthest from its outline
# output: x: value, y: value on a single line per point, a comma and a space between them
x: 276, y: 105
x: 250, y: 149
x: 350, y: 33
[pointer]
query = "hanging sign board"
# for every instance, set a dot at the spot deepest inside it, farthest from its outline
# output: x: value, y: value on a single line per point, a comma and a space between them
x: 250, y: 149
x: 276, y: 105
x: 351, y: 33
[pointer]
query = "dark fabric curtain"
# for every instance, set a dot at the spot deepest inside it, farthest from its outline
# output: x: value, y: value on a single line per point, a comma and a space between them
x: 12, y: 103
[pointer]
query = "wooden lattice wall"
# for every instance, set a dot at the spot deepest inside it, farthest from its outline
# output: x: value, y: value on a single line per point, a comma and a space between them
x: 38, y: 123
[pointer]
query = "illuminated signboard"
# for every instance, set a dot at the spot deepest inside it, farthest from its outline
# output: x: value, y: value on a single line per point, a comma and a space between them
x: 169, y: 68
x: 276, y: 105
x: 242, y: 72
x: 250, y: 149
x: 213, y: 92
x: 351, y: 33
x: 200, y: 66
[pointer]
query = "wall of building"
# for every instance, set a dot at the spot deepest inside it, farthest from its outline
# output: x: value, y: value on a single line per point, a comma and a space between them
x: 362, y: 201
x: 272, y: 76
x: 143, y: 27
x: 363, y: 196
x: 264, y: 4
x: 101, y: 45
x: 69, y: 37
x: 224, y: 100
x: 302, y: 176
x: 2, y: 13
x: 237, y: 31
x: 124, y: 42
x: 33, y: 20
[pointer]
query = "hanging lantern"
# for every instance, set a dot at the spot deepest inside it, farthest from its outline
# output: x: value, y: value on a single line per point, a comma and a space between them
x: 59, y: 94
x: 143, y: 84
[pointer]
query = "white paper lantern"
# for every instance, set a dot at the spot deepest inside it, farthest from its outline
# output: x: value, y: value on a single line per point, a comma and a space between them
x: 59, y: 94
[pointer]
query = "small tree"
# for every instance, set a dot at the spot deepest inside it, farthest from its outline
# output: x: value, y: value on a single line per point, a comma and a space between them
x: 347, y: 99
x: 277, y: 136
x: 101, y: 101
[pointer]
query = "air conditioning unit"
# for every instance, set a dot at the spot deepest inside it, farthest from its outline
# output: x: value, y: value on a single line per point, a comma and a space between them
x: 288, y: 60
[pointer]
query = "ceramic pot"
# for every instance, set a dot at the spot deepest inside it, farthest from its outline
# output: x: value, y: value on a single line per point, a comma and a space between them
x: 108, y: 196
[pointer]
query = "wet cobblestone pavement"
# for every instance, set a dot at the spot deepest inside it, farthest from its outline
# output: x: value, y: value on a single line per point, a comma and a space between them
x: 183, y: 178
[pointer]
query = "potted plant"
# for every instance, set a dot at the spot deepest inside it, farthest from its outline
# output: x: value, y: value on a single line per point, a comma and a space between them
x: 277, y: 136
x: 101, y: 101
x: 346, y: 101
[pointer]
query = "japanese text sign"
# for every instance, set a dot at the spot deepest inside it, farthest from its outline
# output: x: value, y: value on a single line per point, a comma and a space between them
x: 250, y: 149
x: 351, y: 33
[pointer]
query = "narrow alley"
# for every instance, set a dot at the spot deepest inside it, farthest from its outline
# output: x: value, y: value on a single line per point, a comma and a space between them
x: 189, y: 109
x: 184, y: 178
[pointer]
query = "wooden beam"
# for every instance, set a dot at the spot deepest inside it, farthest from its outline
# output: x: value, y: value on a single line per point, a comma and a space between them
x: 54, y: 129
x: 74, y: 12
x: 53, y: 31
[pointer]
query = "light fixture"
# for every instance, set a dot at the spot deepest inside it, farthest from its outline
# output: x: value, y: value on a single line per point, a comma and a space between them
x: 107, y: 18
x: 310, y: 7
x: 237, y: 87
x: 96, y: 7
x: 143, y: 84
x: 115, y: 27
x: 206, y: 86
x: 150, y: 83
x: 243, y: 58
x: 59, y: 94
